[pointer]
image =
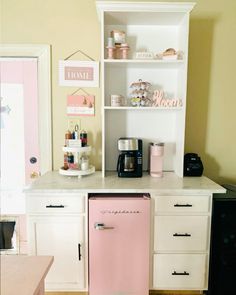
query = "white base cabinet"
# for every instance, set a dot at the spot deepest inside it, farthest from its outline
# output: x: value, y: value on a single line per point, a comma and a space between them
x: 181, y: 242
x: 57, y: 227
x: 63, y: 238
x: 57, y: 212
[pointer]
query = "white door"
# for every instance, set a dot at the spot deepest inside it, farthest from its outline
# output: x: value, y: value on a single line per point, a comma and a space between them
x: 20, y: 160
x: 25, y: 121
x: 63, y: 238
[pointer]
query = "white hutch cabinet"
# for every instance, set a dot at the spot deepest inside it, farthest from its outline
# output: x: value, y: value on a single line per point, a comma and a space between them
x: 155, y: 27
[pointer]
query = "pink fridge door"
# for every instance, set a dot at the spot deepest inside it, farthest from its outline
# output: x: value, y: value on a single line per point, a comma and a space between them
x: 19, y: 120
x: 119, y: 246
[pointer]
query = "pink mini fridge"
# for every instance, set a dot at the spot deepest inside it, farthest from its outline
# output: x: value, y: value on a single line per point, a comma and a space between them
x: 119, y: 232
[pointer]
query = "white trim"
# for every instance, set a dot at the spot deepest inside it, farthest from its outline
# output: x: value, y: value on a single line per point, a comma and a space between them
x: 144, y: 6
x: 42, y: 53
x: 17, y: 58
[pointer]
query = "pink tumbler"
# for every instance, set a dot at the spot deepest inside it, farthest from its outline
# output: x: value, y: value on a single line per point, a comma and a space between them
x: 156, y: 159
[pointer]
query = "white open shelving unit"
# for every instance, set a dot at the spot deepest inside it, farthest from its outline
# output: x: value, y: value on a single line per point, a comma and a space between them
x: 151, y: 26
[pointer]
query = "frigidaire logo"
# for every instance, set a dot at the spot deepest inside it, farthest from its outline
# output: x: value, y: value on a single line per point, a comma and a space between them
x: 120, y: 212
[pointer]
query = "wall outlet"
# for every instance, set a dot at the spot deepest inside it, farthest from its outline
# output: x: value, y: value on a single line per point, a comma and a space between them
x: 72, y: 122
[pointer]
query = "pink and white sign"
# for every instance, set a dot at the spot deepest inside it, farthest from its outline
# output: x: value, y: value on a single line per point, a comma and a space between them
x: 160, y: 101
x: 78, y: 73
x: 80, y: 105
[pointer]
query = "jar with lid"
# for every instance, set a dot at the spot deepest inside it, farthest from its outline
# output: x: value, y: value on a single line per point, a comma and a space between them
x: 84, y: 138
x: 124, y: 50
x: 111, y: 48
x: 68, y: 136
x: 66, y: 166
x: 84, y: 162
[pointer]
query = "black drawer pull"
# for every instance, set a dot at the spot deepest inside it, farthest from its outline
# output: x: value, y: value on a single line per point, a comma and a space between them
x: 79, y: 251
x: 185, y: 273
x: 55, y: 206
x: 181, y: 235
x: 183, y: 205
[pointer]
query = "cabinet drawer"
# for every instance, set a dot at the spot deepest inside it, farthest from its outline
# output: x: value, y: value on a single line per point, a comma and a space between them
x: 56, y: 203
x: 179, y: 233
x: 179, y: 271
x: 182, y: 204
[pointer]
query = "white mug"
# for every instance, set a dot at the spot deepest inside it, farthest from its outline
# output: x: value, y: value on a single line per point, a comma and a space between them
x: 117, y: 100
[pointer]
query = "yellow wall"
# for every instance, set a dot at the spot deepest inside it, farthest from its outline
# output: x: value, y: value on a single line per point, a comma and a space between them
x: 69, y: 25
x: 211, y: 107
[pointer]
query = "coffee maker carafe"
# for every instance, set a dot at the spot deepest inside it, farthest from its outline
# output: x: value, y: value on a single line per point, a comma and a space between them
x: 130, y: 158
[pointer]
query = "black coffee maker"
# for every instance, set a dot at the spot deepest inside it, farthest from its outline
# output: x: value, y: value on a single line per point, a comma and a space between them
x: 130, y: 162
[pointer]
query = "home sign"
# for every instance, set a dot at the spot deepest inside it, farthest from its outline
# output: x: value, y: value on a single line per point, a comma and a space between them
x: 79, y: 73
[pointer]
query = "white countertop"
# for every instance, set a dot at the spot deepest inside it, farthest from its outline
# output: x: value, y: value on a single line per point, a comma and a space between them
x: 170, y: 183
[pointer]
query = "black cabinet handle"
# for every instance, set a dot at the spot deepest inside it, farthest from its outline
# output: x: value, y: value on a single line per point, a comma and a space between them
x: 185, y: 273
x: 181, y: 235
x: 79, y: 251
x: 183, y: 205
x: 55, y: 206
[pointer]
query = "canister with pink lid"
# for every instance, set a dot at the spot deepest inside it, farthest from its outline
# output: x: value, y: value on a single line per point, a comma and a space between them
x: 124, y: 49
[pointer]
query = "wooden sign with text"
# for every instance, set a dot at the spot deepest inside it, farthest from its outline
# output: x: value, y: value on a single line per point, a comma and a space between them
x: 79, y: 73
x: 160, y: 101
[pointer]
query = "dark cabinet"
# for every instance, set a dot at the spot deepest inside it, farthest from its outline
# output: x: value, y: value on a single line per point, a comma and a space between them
x: 222, y: 273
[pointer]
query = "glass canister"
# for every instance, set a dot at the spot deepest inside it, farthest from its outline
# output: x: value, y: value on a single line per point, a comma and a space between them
x: 84, y: 162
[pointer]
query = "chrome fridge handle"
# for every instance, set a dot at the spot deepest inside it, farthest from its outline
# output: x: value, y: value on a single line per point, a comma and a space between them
x: 101, y: 226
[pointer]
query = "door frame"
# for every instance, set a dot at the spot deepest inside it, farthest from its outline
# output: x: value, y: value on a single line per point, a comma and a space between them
x: 43, y: 53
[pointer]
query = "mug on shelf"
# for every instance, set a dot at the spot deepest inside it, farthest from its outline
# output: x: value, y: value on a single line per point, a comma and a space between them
x: 117, y: 100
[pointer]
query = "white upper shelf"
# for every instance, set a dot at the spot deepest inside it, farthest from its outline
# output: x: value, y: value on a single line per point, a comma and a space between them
x: 155, y: 61
x: 143, y: 13
x: 144, y: 63
x: 125, y: 108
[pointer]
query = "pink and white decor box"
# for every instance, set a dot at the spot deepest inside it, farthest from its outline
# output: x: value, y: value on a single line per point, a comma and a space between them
x: 79, y: 73
x: 80, y: 105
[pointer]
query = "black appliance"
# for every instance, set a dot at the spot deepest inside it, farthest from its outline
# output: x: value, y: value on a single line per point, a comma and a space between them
x: 6, y: 233
x: 192, y: 165
x: 130, y: 160
x: 222, y: 272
